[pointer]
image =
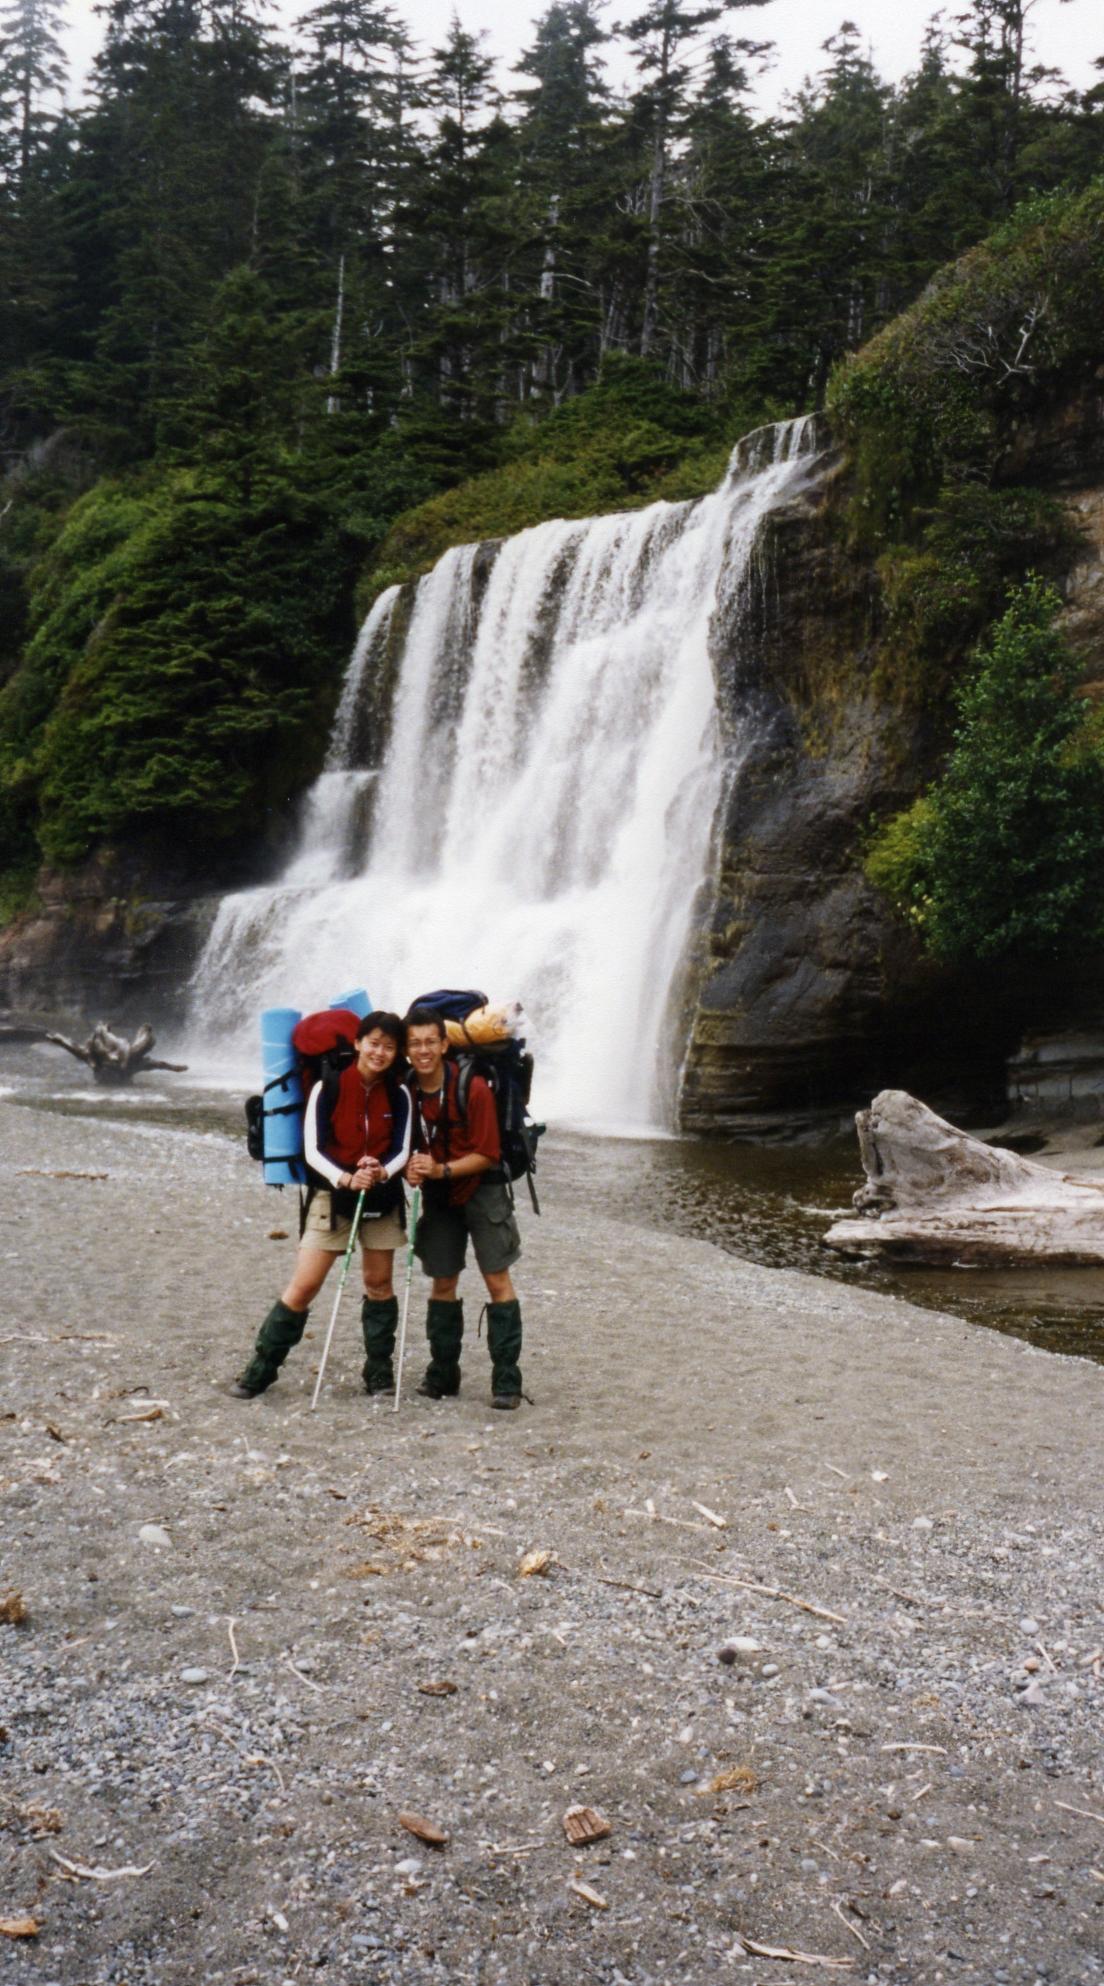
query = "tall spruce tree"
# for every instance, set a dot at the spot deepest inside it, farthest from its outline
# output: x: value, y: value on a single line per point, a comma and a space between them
x: 165, y: 197
x: 663, y: 39
x: 33, y: 71
x: 563, y: 186
x: 33, y: 167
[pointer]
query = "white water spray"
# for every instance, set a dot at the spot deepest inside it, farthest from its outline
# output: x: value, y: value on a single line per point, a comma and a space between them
x: 542, y: 821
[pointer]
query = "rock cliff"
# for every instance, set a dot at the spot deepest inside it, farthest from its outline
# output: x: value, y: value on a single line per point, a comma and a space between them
x: 807, y: 990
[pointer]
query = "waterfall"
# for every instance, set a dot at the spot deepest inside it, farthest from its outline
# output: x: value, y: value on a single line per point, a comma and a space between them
x: 541, y: 823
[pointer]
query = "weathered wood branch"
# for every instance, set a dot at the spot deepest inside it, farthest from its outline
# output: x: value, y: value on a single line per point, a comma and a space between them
x: 933, y: 1194
x: 112, y: 1059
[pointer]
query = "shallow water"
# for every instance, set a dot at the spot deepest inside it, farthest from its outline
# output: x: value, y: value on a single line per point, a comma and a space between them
x: 769, y: 1204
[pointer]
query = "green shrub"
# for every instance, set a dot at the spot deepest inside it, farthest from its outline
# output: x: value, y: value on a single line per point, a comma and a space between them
x: 1004, y: 856
x: 929, y: 399
x: 201, y: 696
x: 943, y: 592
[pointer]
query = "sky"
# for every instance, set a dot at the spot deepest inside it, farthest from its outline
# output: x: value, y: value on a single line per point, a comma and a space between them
x: 1067, y: 34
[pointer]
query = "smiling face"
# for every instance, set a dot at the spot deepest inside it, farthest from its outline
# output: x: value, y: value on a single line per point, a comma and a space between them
x: 375, y: 1053
x: 425, y: 1048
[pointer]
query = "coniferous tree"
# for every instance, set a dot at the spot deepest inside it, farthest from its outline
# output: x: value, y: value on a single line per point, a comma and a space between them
x: 33, y: 164
x: 563, y: 185
x: 662, y: 39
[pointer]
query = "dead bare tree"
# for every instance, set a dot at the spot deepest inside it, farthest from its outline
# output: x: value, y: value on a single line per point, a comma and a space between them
x: 112, y: 1059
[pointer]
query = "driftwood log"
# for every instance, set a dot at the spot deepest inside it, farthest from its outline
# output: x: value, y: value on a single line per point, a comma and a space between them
x: 935, y: 1195
x: 112, y: 1059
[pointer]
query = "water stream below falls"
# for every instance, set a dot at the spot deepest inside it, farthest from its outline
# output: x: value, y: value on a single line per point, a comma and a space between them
x: 541, y: 822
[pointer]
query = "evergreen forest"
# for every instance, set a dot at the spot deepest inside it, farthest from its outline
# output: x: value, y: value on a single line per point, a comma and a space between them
x: 283, y: 313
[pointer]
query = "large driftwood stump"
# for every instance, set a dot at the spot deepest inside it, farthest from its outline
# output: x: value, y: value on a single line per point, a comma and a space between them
x: 932, y: 1194
x: 113, y: 1060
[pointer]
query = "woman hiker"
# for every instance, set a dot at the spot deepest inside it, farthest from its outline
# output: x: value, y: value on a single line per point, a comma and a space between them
x: 356, y: 1137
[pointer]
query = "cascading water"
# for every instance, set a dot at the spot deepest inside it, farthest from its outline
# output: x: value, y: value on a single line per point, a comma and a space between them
x: 542, y: 821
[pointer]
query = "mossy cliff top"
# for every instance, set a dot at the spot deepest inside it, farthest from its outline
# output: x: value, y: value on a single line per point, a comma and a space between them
x: 1001, y: 334
x: 629, y: 441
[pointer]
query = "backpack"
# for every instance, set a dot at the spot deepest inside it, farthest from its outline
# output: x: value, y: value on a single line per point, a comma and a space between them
x: 323, y: 1045
x: 451, y: 1005
x: 507, y: 1068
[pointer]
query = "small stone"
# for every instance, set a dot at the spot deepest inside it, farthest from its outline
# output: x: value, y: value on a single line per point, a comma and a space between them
x: 181, y: 1613
x: 193, y: 1675
x: 769, y: 1669
x: 740, y: 1644
x: 154, y: 1534
x: 688, y: 1778
x: 923, y: 1524
x: 1028, y: 1626
x: 409, y: 1866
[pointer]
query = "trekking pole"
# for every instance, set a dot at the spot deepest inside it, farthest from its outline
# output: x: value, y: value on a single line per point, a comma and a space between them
x: 337, y: 1301
x: 415, y: 1206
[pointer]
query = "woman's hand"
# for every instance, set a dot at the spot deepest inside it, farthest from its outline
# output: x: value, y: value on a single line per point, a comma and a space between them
x: 421, y: 1167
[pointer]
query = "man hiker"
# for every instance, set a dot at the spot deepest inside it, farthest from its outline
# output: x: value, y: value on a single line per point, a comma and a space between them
x: 457, y: 1164
x: 356, y: 1139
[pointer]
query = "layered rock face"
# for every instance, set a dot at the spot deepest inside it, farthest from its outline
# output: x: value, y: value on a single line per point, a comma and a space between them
x: 116, y: 936
x: 807, y: 991
x: 797, y: 959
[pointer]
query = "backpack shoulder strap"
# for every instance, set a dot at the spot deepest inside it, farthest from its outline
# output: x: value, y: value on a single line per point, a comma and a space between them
x: 465, y: 1070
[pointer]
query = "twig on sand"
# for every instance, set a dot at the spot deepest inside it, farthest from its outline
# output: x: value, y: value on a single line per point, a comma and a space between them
x: 848, y: 1926
x: 231, y: 1624
x: 718, y: 1522
x: 516, y: 1847
x: 248, y: 1758
x: 320, y: 1688
x: 771, y: 1593
x: 898, y: 1592
x: 657, y: 1517
x: 257, y: 1758
x: 793, y: 1957
x: 604, y: 1579
x: 941, y: 1749
x: 1084, y: 1813
x: 97, y: 1875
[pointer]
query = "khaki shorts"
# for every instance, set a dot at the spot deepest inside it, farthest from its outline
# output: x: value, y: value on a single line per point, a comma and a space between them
x: 441, y: 1241
x: 375, y: 1230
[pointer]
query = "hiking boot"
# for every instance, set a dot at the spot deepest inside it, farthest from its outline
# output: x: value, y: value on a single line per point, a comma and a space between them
x: 445, y: 1331
x: 504, y: 1345
x: 378, y: 1323
x: 430, y: 1390
x: 280, y: 1332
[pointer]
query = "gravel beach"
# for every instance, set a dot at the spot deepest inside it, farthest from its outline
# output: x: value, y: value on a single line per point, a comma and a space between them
x: 820, y: 1632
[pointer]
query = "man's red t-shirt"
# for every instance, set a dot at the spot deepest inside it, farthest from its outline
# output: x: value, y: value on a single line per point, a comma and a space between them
x: 476, y: 1132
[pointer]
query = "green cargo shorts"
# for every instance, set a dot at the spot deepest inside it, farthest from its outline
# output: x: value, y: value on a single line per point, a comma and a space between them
x: 441, y: 1240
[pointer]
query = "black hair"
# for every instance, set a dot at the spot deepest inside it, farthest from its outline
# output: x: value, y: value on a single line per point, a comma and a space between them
x: 388, y: 1024
x: 426, y: 1017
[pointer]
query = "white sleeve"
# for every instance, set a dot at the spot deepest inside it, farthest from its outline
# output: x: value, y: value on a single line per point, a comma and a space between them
x: 397, y: 1163
x: 316, y: 1159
